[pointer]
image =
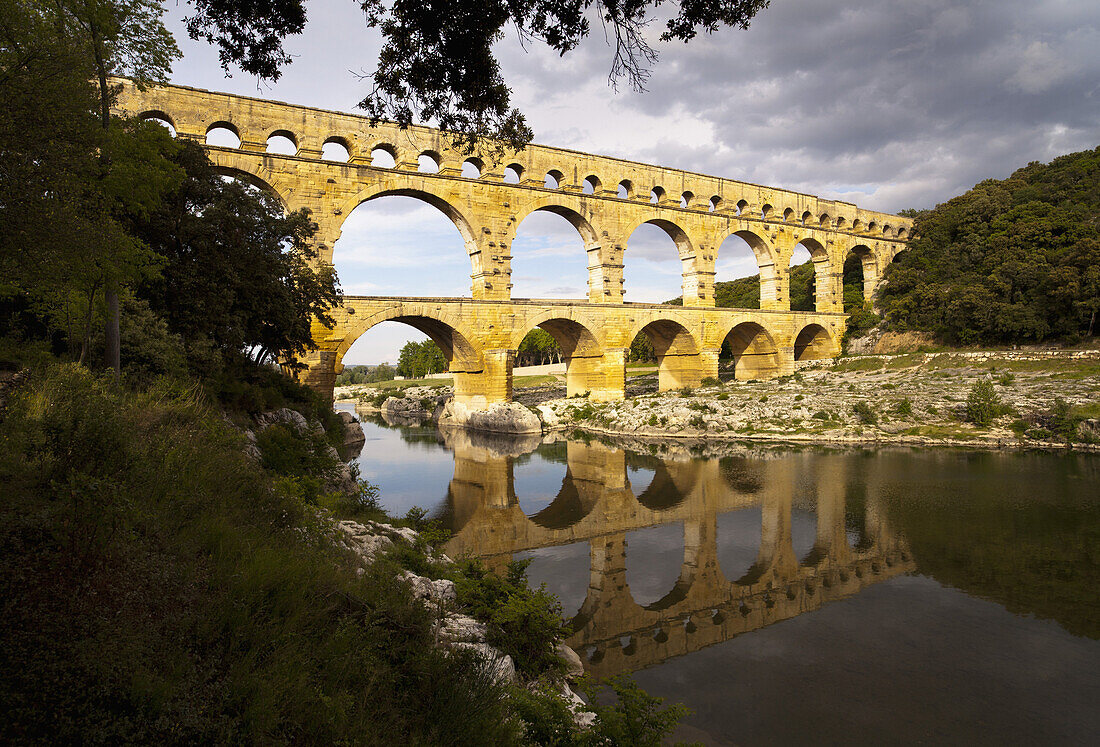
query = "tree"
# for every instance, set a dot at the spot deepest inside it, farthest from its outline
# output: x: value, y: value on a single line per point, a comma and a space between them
x: 418, y: 359
x: 437, y: 60
x: 125, y: 37
x: 69, y: 184
x: 238, y: 271
x: 537, y: 347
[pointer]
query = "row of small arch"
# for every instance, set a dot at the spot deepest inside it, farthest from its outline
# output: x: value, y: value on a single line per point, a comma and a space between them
x: 384, y: 155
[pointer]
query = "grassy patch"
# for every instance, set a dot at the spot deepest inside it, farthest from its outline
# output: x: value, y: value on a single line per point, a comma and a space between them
x: 858, y: 364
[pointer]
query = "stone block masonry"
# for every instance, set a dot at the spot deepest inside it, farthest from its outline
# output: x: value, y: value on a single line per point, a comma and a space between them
x: 605, y: 199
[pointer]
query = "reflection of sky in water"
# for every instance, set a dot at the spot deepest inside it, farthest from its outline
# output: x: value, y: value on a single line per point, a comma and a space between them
x: 654, y: 556
x: 738, y: 541
x: 564, y: 570
x: 537, y: 482
x: 803, y: 531
x: 640, y: 478
x: 406, y: 474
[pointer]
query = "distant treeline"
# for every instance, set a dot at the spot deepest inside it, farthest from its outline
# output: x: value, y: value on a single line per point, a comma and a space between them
x: 1016, y: 260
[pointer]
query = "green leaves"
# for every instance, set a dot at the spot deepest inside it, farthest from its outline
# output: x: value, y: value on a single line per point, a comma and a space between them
x: 1009, y: 261
x: 418, y: 359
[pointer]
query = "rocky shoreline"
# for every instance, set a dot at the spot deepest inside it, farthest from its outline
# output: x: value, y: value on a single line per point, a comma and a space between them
x: 1043, y: 399
x: 454, y: 630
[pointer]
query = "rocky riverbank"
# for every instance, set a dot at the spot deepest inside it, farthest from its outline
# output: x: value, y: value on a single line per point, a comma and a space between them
x: 1040, y: 399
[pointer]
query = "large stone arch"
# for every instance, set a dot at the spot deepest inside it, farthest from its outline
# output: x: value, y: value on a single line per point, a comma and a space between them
x: 581, y: 350
x: 814, y: 342
x: 593, y: 247
x: 553, y: 204
x: 240, y: 166
x: 869, y: 262
x: 396, y: 185
x: 684, y: 249
x: 677, y: 351
x: 456, y: 342
x: 773, y: 291
x: 755, y: 353
x: 825, y: 275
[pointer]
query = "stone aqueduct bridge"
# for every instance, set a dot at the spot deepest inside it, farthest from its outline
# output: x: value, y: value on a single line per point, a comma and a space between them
x: 598, y: 505
x: 605, y: 199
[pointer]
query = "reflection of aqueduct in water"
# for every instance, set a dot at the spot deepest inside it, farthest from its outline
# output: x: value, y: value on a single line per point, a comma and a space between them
x: 598, y: 505
x: 605, y: 199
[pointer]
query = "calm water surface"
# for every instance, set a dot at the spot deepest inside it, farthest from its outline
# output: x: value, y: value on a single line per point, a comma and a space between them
x: 796, y: 595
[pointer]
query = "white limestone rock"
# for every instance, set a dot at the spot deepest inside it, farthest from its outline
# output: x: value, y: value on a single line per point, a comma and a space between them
x: 439, y: 591
x: 456, y: 628
x: 284, y: 416
x: 499, y: 417
x: 573, y: 666
x: 499, y: 664
x: 353, y: 431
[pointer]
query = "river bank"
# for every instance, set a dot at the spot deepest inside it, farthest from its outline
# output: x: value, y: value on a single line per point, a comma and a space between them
x: 1040, y: 399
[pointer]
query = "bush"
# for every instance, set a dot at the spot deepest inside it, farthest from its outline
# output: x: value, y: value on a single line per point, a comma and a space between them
x: 522, y: 622
x: 981, y: 403
x: 710, y: 381
x: 865, y: 413
x: 636, y: 718
x: 904, y: 407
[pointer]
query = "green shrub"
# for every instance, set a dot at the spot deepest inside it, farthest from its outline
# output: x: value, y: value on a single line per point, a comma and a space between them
x: 981, y: 403
x: 636, y: 718
x: 865, y: 413
x: 798, y: 398
x: 522, y: 622
x: 687, y: 391
x: 362, y: 505
x: 710, y: 381
x: 904, y: 407
x: 722, y: 396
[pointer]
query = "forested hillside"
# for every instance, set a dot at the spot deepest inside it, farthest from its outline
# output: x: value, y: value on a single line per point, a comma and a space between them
x: 1012, y: 261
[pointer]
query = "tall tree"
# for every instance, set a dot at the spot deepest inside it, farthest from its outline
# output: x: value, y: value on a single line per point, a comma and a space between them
x: 125, y: 37
x: 68, y: 184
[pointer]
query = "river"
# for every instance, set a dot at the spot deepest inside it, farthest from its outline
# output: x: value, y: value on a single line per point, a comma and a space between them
x: 793, y: 595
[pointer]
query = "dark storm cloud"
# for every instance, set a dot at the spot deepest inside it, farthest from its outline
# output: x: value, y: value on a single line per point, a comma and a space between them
x: 892, y: 104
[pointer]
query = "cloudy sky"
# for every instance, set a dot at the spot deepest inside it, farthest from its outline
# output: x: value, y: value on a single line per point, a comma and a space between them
x: 886, y: 103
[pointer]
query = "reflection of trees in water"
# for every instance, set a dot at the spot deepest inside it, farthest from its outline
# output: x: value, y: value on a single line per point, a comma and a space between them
x: 742, y: 474
x: 1020, y: 529
x: 427, y: 439
x: 556, y: 452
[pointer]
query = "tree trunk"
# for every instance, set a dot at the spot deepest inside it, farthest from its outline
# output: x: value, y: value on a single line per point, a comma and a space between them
x: 112, y: 353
